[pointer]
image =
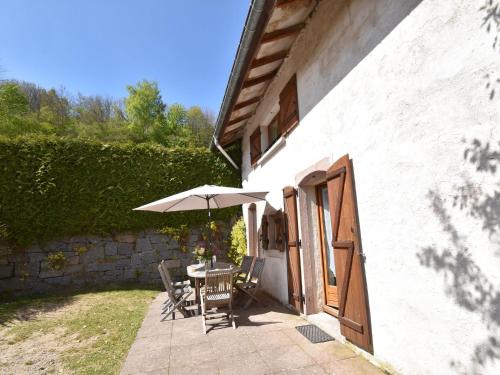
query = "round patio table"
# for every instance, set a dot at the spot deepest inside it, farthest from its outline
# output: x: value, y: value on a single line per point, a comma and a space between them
x: 198, y: 271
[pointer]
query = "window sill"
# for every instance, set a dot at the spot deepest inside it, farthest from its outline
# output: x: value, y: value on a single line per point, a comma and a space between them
x: 271, y: 151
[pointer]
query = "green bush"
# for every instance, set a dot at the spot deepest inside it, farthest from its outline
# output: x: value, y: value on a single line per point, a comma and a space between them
x: 238, y: 246
x: 56, y: 260
x: 52, y: 187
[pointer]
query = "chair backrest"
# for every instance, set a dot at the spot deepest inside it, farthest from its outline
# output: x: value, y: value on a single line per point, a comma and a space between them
x: 246, y: 264
x: 218, y: 286
x: 171, y: 263
x: 167, y: 281
x: 258, y: 267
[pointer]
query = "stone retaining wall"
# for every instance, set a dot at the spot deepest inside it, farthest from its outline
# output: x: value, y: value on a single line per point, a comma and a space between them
x: 93, y: 260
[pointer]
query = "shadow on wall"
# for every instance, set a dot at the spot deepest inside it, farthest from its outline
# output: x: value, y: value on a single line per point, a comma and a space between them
x: 490, y: 12
x: 464, y: 280
x: 367, y: 27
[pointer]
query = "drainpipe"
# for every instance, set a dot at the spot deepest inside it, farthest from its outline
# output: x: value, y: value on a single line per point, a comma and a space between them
x: 223, y: 152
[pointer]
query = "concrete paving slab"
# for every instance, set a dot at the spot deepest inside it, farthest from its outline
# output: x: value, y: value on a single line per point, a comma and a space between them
x: 265, y: 342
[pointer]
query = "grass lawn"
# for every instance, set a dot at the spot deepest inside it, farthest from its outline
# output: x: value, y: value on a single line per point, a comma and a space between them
x: 81, y: 333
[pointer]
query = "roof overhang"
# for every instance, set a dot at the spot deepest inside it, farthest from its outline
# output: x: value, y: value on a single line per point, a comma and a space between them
x: 271, y: 28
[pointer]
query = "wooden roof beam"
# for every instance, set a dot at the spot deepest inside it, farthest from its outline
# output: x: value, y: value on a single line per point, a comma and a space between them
x: 239, y: 119
x: 246, y: 103
x: 281, y: 33
x: 263, y: 78
x: 280, y: 3
x: 269, y: 58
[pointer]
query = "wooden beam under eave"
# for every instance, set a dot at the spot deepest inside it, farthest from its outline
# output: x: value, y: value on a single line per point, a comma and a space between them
x: 269, y: 59
x: 282, y: 33
x: 280, y: 3
x: 238, y: 119
x: 246, y: 103
x: 263, y: 78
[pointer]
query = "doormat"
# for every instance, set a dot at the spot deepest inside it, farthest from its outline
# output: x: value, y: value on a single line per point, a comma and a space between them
x: 314, y: 334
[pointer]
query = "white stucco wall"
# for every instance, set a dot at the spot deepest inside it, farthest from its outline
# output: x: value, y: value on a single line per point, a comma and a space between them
x: 401, y: 87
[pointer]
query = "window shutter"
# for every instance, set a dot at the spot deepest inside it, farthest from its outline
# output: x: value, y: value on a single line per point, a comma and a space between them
x: 289, y: 106
x: 278, y: 231
x: 264, y: 233
x: 354, y: 312
x: 255, y: 150
x: 293, y: 252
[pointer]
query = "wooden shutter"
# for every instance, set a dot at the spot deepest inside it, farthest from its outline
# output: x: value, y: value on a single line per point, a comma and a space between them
x: 264, y: 233
x: 354, y: 314
x: 255, y: 150
x: 293, y: 252
x: 289, y: 106
x: 278, y: 231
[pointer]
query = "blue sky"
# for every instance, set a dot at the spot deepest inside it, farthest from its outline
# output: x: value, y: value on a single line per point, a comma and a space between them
x: 100, y: 46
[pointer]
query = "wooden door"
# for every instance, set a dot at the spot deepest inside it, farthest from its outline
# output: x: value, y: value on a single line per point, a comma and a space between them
x: 330, y: 289
x: 293, y: 251
x: 354, y: 312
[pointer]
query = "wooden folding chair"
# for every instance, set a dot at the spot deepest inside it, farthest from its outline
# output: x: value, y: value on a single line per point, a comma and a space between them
x: 246, y: 265
x: 177, y: 295
x: 217, y: 292
x: 250, y: 287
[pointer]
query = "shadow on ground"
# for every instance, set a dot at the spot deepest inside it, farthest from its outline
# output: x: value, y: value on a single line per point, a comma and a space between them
x: 28, y: 306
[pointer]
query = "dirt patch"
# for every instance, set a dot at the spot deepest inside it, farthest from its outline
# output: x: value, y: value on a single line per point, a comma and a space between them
x: 41, y: 353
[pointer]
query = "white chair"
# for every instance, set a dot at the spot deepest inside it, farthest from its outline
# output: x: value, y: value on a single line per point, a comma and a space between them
x: 217, y: 292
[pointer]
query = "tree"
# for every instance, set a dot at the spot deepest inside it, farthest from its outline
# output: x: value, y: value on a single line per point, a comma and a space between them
x: 12, y: 101
x: 145, y: 110
x: 201, y: 124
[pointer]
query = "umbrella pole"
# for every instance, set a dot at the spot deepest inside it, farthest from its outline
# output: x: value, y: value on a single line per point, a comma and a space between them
x: 209, y: 226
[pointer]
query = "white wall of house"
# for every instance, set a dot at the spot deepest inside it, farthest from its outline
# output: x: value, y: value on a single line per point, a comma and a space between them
x: 408, y: 89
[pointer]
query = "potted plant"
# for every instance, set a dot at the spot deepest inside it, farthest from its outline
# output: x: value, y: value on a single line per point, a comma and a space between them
x: 203, y: 255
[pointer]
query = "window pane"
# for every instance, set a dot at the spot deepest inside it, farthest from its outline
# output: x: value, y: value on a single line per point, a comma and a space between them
x: 327, y: 240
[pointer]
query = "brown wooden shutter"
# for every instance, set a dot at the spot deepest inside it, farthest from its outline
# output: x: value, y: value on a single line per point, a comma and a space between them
x: 293, y: 252
x: 354, y: 313
x: 289, y: 106
x: 278, y: 231
x: 255, y: 149
x: 264, y: 233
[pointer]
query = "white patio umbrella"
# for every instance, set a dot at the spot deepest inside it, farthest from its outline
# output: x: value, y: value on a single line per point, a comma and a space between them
x: 205, y: 197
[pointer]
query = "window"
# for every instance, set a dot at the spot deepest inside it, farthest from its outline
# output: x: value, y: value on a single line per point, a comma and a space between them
x: 289, y: 107
x: 255, y: 150
x: 272, y: 235
x: 272, y: 132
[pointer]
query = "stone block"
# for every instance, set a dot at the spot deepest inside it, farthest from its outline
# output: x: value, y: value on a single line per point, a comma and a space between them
x: 73, y: 269
x: 7, y: 271
x: 72, y: 260
x: 149, y: 257
x: 59, y: 280
x: 34, y: 249
x: 158, y: 238
x: 135, y: 260
x: 4, y: 261
x: 92, y: 254
x: 47, y: 273
x: 54, y: 246
x: 100, y: 267
x: 142, y: 245
x: 111, y: 248
x: 125, y: 237
x: 161, y: 246
x: 125, y: 248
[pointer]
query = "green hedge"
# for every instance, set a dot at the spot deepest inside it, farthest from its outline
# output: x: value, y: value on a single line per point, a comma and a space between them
x: 52, y: 187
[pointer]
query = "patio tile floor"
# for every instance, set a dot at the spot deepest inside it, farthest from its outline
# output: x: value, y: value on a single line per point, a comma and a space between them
x: 265, y: 342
